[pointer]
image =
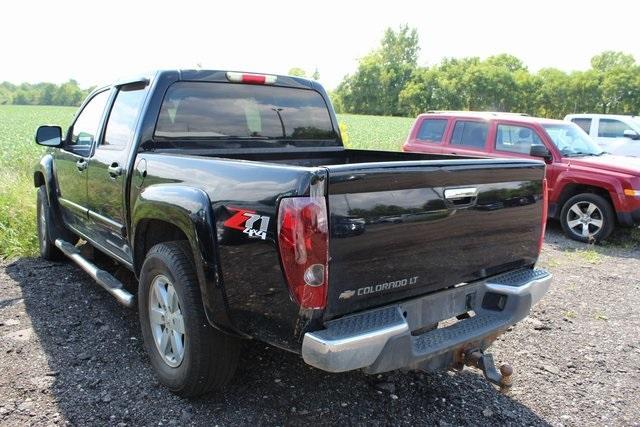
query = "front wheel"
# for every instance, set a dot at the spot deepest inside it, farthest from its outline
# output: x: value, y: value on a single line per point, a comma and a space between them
x: 48, y: 250
x: 189, y: 356
x: 587, y: 218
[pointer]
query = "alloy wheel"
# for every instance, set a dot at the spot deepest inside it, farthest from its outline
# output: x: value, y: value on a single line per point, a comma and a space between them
x: 585, y: 219
x: 167, y: 321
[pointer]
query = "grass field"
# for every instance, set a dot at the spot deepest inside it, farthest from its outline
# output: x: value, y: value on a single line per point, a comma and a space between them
x: 18, y: 155
x: 375, y: 132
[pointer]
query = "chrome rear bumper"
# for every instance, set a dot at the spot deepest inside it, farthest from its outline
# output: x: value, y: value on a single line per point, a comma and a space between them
x: 381, y: 340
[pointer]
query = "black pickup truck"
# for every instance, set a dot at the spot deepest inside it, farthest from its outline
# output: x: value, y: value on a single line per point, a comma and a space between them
x: 232, y: 200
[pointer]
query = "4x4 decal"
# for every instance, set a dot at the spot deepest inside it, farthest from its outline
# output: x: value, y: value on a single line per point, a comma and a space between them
x: 253, y: 225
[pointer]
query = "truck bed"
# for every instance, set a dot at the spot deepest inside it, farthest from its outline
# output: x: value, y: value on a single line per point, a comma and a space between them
x: 393, y: 233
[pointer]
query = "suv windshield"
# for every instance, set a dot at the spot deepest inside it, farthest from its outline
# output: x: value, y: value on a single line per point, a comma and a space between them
x: 572, y: 141
x: 231, y: 111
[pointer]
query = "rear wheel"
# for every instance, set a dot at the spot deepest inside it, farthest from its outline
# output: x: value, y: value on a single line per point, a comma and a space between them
x: 190, y: 357
x: 587, y: 217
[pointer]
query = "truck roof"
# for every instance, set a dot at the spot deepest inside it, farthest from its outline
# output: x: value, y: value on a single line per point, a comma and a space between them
x: 213, y: 76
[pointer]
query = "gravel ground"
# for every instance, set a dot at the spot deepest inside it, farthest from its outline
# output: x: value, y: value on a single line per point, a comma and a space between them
x: 70, y: 354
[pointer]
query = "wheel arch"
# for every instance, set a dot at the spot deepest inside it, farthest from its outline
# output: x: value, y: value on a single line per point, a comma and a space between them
x: 166, y: 212
x: 573, y: 189
x: 43, y: 175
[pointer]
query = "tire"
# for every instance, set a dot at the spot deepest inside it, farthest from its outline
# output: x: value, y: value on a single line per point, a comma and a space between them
x: 196, y: 358
x: 587, y: 217
x: 48, y: 249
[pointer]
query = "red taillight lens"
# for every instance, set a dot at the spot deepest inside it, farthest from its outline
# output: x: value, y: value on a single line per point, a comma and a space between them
x: 303, y: 238
x: 545, y: 208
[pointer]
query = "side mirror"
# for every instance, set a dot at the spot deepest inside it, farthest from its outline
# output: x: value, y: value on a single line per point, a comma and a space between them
x: 631, y: 134
x: 49, y: 136
x: 540, y: 151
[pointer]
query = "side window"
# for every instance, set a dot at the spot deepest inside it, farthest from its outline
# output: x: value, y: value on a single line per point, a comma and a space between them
x: 584, y: 123
x: 612, y: 128
x: 516, y: 139
x: 470, y: 134
x: 85, y: 128
x: 124, y: 116
x: 432, y: 130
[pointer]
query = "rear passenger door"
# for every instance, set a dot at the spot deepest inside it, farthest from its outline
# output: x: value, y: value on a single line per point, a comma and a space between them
x: 107, y: 171
x: 469, y: 137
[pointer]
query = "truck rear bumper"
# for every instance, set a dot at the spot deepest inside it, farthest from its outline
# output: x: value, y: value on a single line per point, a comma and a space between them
x: 391, y: 337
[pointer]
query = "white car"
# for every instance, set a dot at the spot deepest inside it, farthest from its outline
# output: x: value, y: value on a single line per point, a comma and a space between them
x: 616, y: 134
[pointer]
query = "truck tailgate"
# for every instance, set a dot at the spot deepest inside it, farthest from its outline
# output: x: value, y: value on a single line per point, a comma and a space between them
x: 402, y: 229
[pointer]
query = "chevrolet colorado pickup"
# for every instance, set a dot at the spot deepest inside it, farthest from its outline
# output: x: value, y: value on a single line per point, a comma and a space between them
x: 232, y: 200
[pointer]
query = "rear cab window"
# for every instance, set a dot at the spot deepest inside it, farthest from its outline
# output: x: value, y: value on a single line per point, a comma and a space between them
x: 200, y: 113
x: 470, y: 134
x: 516, y: 139
x: 432, y: 130
x: 583, y: 122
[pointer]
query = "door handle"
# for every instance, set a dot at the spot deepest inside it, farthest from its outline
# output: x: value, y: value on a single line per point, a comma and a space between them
x: 81, y: 165
x: 460, y: 193
x: 115, y: 170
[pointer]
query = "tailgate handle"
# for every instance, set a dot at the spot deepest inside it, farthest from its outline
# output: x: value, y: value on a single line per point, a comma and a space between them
x: 460, y: 193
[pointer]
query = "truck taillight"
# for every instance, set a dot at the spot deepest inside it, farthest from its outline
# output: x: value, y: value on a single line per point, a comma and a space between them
x: 545, y: 208
x: 303, y: 240
x: 256, y: 79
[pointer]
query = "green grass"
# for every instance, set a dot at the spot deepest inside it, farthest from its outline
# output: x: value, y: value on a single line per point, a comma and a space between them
x: 18, y: 155
x: 375, y: 132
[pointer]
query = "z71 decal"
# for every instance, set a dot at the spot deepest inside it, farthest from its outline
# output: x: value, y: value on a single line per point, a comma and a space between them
x: 253, y: 225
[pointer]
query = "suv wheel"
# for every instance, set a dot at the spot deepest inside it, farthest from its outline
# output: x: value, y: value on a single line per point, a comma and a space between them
x: 189, y: 356
x: 587, y: 217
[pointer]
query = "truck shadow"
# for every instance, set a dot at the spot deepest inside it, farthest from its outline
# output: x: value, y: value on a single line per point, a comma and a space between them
x: 101, y: 375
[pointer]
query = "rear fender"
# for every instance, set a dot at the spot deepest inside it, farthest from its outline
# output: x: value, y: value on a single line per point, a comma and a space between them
x: 189, y: 209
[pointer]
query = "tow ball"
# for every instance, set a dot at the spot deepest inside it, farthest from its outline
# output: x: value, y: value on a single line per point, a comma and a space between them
x: 484, y: 362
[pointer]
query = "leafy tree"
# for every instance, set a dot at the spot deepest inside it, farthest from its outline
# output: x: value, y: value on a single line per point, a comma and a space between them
x: 609, y: 59
x: 68, y: 93
x: 382, y: 74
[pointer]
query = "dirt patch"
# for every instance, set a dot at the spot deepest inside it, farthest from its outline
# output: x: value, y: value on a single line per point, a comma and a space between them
x: 70, y: 354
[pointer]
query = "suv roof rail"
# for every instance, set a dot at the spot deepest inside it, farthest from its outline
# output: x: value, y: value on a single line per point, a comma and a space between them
x: 493, y: 113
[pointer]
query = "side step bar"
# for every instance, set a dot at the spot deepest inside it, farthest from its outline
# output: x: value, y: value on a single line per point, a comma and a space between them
x: 104, y: 279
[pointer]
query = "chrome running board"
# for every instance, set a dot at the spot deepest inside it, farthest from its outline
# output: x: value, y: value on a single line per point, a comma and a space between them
x: 104, y: 279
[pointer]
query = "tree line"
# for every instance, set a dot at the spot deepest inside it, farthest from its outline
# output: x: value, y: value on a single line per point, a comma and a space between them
x: 389, y: 81
x: 68, y: 93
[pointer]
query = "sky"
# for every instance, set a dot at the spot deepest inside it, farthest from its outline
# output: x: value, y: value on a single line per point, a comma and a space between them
x: 97, y: 43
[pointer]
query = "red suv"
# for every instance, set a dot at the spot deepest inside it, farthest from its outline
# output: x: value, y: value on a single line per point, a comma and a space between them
x: 590, y: 191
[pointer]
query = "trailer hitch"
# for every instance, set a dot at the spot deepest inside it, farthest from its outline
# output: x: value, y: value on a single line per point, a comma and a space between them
x: 484, y: 362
